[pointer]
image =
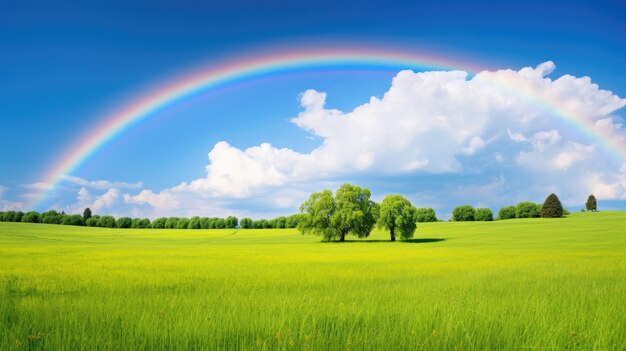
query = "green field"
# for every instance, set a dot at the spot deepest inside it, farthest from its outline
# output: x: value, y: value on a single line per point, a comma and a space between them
x: 528, y: 284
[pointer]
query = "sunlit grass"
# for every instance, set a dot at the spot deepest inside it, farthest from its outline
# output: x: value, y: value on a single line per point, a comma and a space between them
x: 518, y: 284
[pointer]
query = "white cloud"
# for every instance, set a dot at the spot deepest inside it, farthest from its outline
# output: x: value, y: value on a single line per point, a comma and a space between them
x: 39, y: 186
x: 426, y: 123
x: 101, y: 184
x: 106, y: 200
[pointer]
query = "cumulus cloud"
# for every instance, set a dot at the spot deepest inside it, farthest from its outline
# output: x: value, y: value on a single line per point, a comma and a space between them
x: 427, y: 123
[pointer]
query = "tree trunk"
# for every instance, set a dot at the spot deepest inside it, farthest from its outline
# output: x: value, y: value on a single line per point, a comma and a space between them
x: 343, y: 237
x: 393, y: 234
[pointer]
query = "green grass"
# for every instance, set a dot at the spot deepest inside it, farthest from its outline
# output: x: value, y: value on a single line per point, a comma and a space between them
x: 532, y: 284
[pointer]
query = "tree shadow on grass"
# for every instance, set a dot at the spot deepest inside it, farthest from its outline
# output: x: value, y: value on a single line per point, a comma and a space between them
x: 408, y: 241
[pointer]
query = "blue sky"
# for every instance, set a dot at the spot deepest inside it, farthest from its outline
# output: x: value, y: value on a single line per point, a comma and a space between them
x: 64, y: 65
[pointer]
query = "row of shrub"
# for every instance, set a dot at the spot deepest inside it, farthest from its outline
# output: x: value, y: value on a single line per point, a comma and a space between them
x: 551, y: 208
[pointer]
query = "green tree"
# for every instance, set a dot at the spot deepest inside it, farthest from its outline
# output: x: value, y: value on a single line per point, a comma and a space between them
x: 507, y: 212
x: 318, y: 210
x: 245, y: 223
x: 183, y: 223
x: 465, y: 213
x: 354, y: 211
x: 204, y: 223
x: 140, y: 223
x: 159, y: 223
x: 73, y: 220
x: 552, y: 207
x: 425, y: 215
x: 293, y: 220
x: 591, y: 204
x: 231, y: 222
x: 93, y: 221
x: 171, y: 223
x: 50, y: 217
x: 106, y: 222
x: 194, y: 223
x: 483, y: 214
x: 398, y: 216
x: 124, y: 222
x: 86, y: 214
x: 220, y: 223
x: 31, y: 217
x: 527, y: 209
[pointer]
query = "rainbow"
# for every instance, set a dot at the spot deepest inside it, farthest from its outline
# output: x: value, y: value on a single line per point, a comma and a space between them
x: 255, y: 65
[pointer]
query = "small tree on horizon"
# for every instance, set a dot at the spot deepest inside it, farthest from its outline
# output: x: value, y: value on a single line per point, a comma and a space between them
x: 465, y: 213
x: 591, y: 204
x: 86, y: 214
x: 552, y: 207
x: 398, y: 216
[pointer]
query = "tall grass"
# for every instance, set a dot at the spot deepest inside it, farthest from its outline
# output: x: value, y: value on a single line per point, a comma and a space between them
x: 519, y: 284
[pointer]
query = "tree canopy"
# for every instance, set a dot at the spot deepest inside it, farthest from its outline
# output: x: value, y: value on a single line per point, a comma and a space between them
x: 591, y: 203
x: 398, y: 216
x: 350, y: 211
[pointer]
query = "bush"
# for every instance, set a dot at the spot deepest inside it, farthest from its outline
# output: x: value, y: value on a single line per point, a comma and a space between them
x: 12, y: 216
x: 92, y: 221
x: 31, y: 217
x: 245, y: 223
x: 425, y: 215
x: 140, y: 223
x: 171, y: 223
x: 106, y: 222
x: 463, y: 213
x: 552, y: 207
x: 194, y: 223
x: 183, y: 223
x: 159, y: 223
x: 293, y: 220
x: 565, y: 212
x: 205, y: 223
x: 219, y: 223
x: 231, y: 222
x: 507, y: 212
x: 124, y: 222
x: 280, y: 222
x: 73, y: 220
x: 527, y: 210
x: 50, y: 217
x: 259, y: 224
x: 483, y: 214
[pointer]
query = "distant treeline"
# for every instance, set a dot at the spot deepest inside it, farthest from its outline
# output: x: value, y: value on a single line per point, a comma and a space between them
x: 54, y: 217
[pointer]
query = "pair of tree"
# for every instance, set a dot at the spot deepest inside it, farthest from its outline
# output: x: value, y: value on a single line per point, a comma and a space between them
x: 351, y: 212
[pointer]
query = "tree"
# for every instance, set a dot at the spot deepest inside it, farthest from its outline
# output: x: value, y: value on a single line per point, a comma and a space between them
x: 245, y: 223
x: 318, y: 210
x: 183, y: 223
x: 159, y: 223
x: 507, y: 212
x: 204, y: 223
x: 354, y: 212
x: 124, y: 222
x: 280, y: 222
x: 397, y: 215
x: 140, y: 223
x: 31, y: 217
x: 86, y: 214
x: 293, y: 220
x: 465, y: 213
x: 591, y: 204
x: 106, y: 222
x: 50, y: 217
x: 425, y: 215
x: 231, y: 222
x: 483, y: 214
x: 171, y: 223
x: 93, y: 221
x: 73, y: 220
x: 552, y: 207
x: 194, y: 223
x: 220, y: 223
x: 527, y: 209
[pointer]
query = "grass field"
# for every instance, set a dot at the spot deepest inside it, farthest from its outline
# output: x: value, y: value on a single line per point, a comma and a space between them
x: 532, y: 284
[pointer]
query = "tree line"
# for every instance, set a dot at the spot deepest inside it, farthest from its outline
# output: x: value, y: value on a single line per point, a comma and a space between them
x: 349, y: 211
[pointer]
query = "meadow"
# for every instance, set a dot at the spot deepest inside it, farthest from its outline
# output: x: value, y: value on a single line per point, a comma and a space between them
x: 524, y: 284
